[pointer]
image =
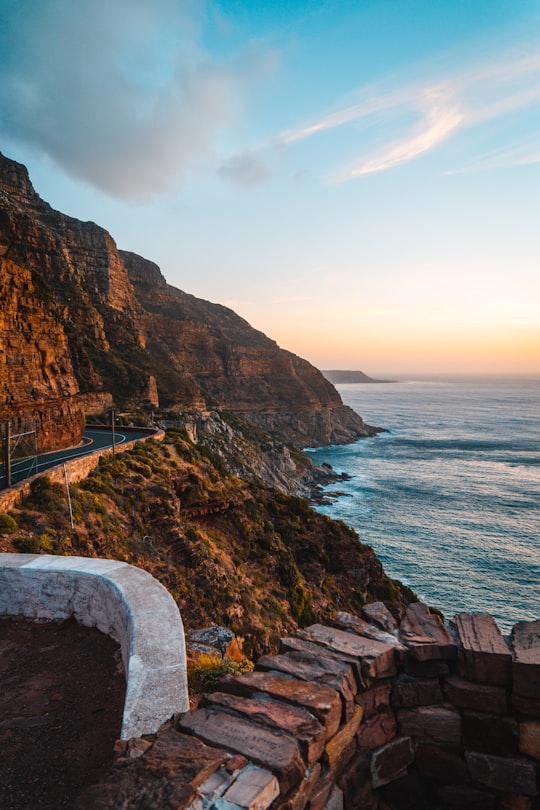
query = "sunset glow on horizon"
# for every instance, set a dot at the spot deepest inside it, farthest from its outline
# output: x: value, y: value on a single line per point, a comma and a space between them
x: 359, y: 181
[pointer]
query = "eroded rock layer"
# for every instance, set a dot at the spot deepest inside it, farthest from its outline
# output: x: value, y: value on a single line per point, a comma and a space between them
x: 80, y: 316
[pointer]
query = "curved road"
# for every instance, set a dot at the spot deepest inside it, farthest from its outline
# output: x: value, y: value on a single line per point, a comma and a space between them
x: 93, y: 439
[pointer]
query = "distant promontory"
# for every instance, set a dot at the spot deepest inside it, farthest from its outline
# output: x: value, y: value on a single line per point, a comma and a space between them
x: 337, y: 377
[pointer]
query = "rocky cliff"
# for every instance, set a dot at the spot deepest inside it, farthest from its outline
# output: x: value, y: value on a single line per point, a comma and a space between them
x: 80, y: 317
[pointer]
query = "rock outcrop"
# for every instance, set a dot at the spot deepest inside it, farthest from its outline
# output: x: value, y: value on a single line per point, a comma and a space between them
x: 81, y: 317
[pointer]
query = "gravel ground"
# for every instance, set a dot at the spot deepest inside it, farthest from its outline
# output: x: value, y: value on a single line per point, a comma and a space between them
x: 61, y: 701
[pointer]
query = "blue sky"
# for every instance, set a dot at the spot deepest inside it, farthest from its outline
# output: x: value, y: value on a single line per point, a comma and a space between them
x: 358, y: 180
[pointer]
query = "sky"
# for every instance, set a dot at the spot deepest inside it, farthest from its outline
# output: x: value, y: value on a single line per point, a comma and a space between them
x: 359, y: 180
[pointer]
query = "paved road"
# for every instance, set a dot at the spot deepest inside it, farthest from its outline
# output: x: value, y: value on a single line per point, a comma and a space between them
x: 93, y: 439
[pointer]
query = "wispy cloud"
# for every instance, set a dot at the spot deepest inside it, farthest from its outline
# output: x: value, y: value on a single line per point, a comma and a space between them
x: 521, y: 153
x: 468, y: 98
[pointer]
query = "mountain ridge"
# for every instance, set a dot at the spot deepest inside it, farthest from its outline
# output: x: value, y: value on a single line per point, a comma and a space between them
x: 86, y: 323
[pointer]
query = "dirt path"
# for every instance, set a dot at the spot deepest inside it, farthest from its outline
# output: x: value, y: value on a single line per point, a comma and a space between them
x: 61, y: 701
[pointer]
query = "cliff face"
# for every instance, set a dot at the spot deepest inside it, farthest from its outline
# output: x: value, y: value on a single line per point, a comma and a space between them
x: 82, y: 317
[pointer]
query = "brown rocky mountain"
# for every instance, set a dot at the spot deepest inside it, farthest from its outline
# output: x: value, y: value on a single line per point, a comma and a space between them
x: 83, y: 324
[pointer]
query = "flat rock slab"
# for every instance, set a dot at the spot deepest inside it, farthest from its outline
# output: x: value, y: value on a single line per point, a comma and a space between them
x: 410, y: 692
x: 490, y: 733
x: 375, y: 700
x: 341, y: 743
x: 299, y: 723
x: 377, y: 660
x: 436, y: 763
x: 295, y: 644
x: 484, y: 656
x: 277, y: 752
x: 167, y: 775
x: 254, y: 789
x: 378, y: 612
x: 479, y: 697
x: 529, y: 739
x: 308, y: 667
x: 390, y: 762
x: 507, y: 774
x: 347, y: 621
x: 438, y: 724
x: 321, y: 701
x: 425, y: 635
x: 376, y: 731
x: 526, y: 660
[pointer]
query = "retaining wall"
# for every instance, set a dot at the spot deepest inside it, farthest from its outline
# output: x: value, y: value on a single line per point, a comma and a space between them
x: 78, y: 468
x: 361, y: 716
x: 120, y: 600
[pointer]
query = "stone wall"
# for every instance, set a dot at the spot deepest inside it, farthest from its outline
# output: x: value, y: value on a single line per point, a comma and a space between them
x: 120, y: 600
x: 363, y: 716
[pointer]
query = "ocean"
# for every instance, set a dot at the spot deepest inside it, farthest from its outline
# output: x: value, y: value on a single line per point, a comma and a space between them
x: 449, y: 497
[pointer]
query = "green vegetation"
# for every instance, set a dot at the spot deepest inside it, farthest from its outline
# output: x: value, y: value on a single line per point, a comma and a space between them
x: 205, y: 673
x: 231, y: 553
x: 8, y: 525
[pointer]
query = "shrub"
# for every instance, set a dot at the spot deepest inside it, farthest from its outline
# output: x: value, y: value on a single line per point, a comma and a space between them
x: 205, y: 673
x: 7, y: 524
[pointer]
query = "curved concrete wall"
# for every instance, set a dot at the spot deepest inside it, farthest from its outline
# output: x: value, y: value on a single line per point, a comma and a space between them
x: 121, y: 600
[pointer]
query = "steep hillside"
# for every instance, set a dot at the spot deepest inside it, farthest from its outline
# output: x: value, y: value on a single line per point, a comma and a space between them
x: 232, y: 553
x: 82, y: 317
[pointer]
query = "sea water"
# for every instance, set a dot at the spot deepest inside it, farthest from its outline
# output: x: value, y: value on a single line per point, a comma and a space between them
x: 449, y: 497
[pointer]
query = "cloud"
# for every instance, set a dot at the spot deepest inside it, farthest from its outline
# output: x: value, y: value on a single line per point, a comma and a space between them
x: 117, y: 92
x: 246, y: 169
x: 469, y: 98
x: 439, y: 122
x: 520, y: 153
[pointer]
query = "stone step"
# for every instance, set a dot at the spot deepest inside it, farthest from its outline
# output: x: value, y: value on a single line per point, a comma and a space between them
x: 295, y: 644
x: 322, y: 701
x: 299, y: 723
x: 346, y: 621
x: 485, y: 656
x: 377, y: 660
x: 270, y: 749
x: 307, y: 667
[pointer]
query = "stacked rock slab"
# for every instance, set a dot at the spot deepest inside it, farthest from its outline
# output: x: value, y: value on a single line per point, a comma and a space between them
x: 341, y: 719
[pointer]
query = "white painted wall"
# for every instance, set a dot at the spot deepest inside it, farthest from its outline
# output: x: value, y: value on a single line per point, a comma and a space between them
x: 122, y: 601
